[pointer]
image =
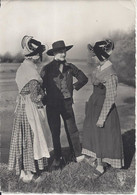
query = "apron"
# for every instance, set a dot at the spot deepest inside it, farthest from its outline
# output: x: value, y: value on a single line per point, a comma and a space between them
x: 39, y: 125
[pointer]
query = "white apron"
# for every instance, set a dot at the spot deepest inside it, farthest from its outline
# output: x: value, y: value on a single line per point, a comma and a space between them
x: 38, y: 121
x: 36, y: 117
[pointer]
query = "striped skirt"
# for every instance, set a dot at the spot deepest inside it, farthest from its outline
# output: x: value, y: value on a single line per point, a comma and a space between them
x: 21, y: 154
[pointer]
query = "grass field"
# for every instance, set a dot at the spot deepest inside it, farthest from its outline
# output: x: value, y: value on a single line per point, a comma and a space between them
x: 74, y: 178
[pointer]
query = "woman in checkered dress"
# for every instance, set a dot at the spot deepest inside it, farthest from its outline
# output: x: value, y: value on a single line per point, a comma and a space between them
x: 101, y: 131
x: 28, y: 149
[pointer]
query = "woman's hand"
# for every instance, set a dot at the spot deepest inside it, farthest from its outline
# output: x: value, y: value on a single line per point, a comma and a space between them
x: 40, y: 105
x: 39, y: 97
x: 100, y: 123
x: 98, y: 81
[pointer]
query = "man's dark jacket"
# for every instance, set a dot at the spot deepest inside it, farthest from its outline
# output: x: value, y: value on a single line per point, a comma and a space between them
x: 52, y: 81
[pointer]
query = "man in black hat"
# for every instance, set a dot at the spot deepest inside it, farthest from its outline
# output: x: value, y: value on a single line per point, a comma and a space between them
x: 58, y: 83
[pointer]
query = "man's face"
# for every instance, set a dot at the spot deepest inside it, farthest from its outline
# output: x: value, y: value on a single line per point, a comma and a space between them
x: 60, y: 55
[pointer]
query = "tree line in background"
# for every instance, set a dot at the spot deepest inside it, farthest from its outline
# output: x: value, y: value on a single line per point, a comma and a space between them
x: 17, y: 58
x: 7, y: 57
x: 123, y: 56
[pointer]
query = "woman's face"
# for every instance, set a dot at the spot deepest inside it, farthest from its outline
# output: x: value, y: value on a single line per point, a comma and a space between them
x: 36, y: 58
x: 96, y: 60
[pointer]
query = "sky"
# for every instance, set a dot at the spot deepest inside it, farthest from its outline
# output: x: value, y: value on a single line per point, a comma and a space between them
x: 77, y: 22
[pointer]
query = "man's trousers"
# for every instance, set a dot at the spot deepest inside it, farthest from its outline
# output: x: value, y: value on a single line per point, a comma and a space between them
x: 65, y: 110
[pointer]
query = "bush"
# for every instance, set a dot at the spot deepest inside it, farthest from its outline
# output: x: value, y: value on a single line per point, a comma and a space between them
x: 7, y: 57
x: 17, y: 58
x: 123, y: 57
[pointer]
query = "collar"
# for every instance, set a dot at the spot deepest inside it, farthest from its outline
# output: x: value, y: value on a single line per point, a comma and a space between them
x: 60, y: 62
x: 105, y: 65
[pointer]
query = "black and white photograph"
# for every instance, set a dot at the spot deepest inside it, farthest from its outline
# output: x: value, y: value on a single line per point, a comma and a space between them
x: 67, y: 96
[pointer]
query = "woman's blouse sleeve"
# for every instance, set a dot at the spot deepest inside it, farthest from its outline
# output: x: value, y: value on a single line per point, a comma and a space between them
x: 111, y: 93
x: 36, y: 92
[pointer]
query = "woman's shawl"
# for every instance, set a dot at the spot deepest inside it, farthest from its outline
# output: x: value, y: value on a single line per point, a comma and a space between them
x: 25, y: 73
x: 102, y: 76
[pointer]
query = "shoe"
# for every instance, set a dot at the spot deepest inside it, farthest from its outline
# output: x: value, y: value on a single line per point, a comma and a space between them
x: 28, y: 177
x: 97, y: 173
x: 80, y: 158
x: 56, y: 164
x: 92, y: 162
x: 22, y: 175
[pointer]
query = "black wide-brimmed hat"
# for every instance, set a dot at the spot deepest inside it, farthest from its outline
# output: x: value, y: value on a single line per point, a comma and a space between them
x: 102, y: 49
x: 57, y: 46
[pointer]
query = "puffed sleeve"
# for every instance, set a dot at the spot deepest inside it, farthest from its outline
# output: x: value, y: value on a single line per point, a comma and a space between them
x: 111, y: 93
x: 36, y: 92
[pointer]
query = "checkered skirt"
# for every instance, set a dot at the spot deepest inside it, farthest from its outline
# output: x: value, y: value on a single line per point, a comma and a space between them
x: 21, y: 154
